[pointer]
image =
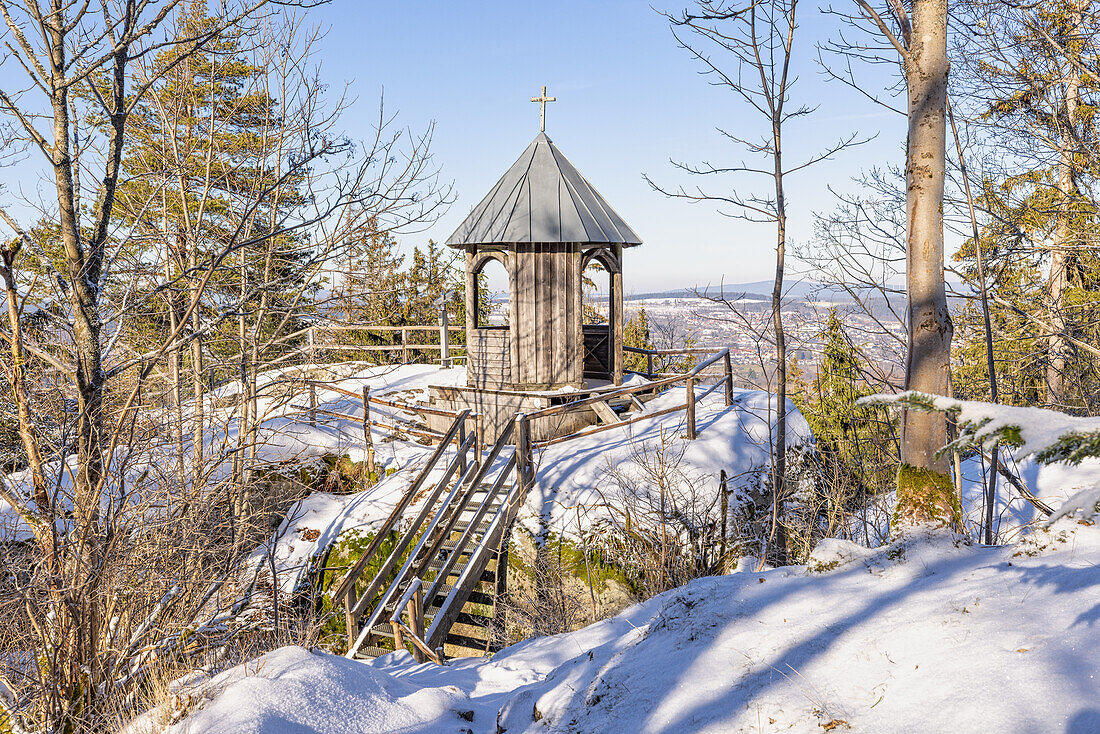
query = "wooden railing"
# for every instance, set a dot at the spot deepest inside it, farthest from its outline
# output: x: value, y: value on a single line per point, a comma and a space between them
x: 430, y: 534
x: 345, y: 592
x: 653, y: 354
x: 689, y: 379
x: 405, y: 346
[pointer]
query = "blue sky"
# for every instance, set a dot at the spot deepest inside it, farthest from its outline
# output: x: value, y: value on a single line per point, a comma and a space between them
x: 628, y: 100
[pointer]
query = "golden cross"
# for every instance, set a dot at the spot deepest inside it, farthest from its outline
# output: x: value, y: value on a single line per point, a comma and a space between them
x: 542, y: 99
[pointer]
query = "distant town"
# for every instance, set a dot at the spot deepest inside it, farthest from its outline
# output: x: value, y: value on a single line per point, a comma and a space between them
x: 741, y: 324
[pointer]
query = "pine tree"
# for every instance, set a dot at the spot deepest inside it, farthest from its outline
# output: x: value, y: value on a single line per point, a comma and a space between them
x: 857, y: 450
x: 370, y: 288
x: 636, y: 334
x: 1037, y: 68
x: 201, y: 178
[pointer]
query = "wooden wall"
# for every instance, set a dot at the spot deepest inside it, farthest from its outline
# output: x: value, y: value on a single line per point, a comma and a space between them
x: 489, y: 360
x: 546, y: 317
x: 544, y: 341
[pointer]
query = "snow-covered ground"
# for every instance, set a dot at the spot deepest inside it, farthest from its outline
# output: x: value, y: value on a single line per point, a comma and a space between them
x: 284, y: 435
x: 573, y: 479
x: 572, y: 486
x: 928, y: 636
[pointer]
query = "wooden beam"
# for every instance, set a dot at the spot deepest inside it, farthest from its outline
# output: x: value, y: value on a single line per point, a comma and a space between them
x: 604, y: 412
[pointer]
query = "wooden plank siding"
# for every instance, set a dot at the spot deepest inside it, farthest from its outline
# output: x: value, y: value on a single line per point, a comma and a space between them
x: 489, y: 358
x: 547, y: 292
x: 546, y: 343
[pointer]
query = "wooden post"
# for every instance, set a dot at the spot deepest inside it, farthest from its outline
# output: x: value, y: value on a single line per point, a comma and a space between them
x: 725, y: 502
x: 368, y: 441
x: 404, y: 345
x: 416, y: 623
x: 459, y: 440
x: 350, y: 621
x: 444, y: 338
x: 523, y: 449
x: 691, y: 408
x: 312, y: 404
x: 649, y: 365
x: 399, y: 638
x: 729, y: 379
x: 478, y: 438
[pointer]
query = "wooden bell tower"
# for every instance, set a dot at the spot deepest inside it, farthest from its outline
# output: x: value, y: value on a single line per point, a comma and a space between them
x: 545, y: 224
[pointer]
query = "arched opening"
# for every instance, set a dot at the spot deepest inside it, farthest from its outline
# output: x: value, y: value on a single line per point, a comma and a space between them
x: 488, y: 343
x: 599, y: 273
x: 492, y: 291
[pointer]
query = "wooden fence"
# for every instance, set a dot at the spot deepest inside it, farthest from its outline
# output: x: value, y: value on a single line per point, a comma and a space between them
x: 366, y: 421
x: 689, y: 379
x: 406, y: 346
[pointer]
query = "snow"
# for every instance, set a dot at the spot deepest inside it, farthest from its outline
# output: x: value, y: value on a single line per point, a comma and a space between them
x: 574, y: 473
x: 1040, y: 431
x: 320, y: 519
x: 1045, y: 436
x: 571, y: 483
x: 294, y: 690
x: 929, y: 634
x: 284, y: 435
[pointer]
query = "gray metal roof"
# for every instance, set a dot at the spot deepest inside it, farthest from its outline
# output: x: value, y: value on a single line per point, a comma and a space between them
x: 543, y: 198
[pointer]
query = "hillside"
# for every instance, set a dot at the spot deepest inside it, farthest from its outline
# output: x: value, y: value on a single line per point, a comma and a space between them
x: 921, y: 636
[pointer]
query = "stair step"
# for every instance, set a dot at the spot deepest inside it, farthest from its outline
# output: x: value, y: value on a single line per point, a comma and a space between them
x: 369, y: 652
x: 450, y: 545
x: 487, y: 575
x: 474, y: 620
x: 470, y: 643
x: 476, y: 597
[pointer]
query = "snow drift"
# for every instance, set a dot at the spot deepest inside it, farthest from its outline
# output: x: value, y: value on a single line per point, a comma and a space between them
x: 926, y: 635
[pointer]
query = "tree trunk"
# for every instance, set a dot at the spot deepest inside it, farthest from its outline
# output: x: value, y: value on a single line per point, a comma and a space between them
x: 1061, y: 246
x: 779, y: 462
x: 198, y: 383
x: 925, y: 490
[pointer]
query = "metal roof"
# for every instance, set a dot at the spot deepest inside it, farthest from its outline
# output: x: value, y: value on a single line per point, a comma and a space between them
x: 543, y: 198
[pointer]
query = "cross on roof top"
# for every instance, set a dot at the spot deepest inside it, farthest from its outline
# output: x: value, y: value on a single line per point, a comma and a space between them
x: 542, y: 99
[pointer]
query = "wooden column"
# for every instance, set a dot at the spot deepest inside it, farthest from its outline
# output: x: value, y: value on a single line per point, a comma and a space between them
x: 471, y: 313
x: 515, y: 284
x: 617, y: 318
x: 576, y: 266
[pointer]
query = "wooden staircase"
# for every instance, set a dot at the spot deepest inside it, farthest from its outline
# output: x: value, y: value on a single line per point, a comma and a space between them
x: 441, y: 585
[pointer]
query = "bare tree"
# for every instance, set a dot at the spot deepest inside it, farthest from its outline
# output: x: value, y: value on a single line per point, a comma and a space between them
x: 121, y: 564
x: 748, y: 48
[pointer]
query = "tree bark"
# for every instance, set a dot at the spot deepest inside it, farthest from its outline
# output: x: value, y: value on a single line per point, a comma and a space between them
x: 925, y: 490
x: 779, y: 462
x: 1061, y: 246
